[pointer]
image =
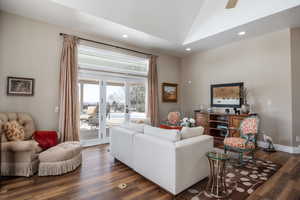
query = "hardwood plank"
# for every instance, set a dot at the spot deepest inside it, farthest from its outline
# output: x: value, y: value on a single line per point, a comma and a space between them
x: 100, y: 174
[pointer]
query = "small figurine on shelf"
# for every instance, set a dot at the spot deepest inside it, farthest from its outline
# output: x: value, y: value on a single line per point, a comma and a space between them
x: 269, y: 141
x: 209, y: 110
x: 236, y: 111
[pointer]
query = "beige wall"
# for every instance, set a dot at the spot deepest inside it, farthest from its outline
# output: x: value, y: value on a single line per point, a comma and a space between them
x: 262, y: 63
x: 295, y: 61
x: 29, y: 48
x: 169, y: 74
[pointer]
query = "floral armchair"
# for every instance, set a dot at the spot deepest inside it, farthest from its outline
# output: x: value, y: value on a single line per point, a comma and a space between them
x: 174, y: 118
x: 247, y: 140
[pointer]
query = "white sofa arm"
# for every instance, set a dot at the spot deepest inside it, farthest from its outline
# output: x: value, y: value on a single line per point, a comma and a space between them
x: 154, y: 159
x: 121, y: 145
x: 191, y: 162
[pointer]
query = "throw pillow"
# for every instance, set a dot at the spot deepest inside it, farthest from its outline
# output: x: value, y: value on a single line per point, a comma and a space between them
x: 166, y: 134
x: 46, y: 139
x: 187, y: 132
x: 13, y: 131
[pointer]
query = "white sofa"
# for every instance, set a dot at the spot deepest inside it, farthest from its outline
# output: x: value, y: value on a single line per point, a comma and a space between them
x: 175, y: 166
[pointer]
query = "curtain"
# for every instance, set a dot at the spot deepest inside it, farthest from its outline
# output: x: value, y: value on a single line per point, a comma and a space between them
x: 69, y: 110
x: 153, y: 92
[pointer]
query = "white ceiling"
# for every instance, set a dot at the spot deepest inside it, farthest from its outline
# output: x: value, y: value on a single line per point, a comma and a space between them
x: 163, y: 25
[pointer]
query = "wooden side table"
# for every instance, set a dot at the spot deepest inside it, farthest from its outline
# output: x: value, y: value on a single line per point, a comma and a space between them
x: 216, y: 187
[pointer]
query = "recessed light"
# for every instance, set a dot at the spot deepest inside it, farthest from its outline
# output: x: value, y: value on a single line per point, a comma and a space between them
x: 242, y: 33
x: 188, y: 49
x: 125, y: 36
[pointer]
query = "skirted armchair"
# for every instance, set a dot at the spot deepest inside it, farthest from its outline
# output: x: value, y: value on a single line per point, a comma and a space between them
x: 246, y: 143
x: 19, y: 158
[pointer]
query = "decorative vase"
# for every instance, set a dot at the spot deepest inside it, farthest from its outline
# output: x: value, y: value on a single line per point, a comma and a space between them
x: 245, y: 109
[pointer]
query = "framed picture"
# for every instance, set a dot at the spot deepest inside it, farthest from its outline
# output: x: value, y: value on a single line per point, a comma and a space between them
x: 17, y: 86
x: 227, y: 95
x: 169, y: 92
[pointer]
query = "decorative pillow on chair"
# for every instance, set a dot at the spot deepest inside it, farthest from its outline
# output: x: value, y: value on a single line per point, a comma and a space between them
x: 13, y: 131
x: 174, y: 118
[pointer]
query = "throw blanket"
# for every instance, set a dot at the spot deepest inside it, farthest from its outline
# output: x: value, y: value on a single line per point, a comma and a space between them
x: 170, y: 127
x: 46, y: 139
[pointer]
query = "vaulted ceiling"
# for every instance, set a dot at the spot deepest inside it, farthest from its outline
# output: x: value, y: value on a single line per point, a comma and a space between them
x: 164, y: 25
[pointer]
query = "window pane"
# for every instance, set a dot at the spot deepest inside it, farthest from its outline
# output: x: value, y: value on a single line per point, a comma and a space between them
x: 137, y: 96
x: 100, y: 59
x: 91, y: 94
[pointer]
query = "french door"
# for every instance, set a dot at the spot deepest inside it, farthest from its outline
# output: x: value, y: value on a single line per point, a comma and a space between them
x: 106, y: 102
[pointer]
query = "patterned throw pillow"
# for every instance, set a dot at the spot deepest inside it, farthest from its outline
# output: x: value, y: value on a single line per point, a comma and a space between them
x: 13, y: 131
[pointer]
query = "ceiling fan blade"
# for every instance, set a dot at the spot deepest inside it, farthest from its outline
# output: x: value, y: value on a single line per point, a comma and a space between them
x: 231, y: 4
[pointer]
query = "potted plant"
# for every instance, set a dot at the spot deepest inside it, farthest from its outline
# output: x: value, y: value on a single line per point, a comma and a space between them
x: 188, y: 122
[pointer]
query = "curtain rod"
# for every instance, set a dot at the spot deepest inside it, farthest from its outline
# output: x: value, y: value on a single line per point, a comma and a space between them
x: 110, y: 45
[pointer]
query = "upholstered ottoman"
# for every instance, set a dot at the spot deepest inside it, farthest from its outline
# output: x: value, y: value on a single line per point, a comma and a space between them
x: 60, y: 159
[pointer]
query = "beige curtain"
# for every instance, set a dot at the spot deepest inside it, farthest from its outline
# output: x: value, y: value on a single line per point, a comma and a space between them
x: 153, y: 92
x: 69, y: 112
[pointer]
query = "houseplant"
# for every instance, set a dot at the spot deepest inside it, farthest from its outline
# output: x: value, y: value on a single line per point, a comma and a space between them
x: 188, y: 122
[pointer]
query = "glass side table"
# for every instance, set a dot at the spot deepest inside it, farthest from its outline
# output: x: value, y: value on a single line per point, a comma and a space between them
x: 216, y: 186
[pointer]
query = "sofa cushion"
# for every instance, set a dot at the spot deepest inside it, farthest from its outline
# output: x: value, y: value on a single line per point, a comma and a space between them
x: 187, y: 132
x: 13, y: 131
x: 165, y: 134
x: 61, y: 152
x: 133, y: 127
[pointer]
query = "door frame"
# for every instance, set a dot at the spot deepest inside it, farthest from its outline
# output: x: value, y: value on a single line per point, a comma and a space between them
x: 103, y: 78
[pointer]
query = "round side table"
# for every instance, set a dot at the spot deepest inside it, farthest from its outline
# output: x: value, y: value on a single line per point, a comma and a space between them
x: 216, y: 186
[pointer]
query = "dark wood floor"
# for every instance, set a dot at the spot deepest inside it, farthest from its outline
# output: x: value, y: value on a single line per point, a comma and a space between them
x: 100, y: 175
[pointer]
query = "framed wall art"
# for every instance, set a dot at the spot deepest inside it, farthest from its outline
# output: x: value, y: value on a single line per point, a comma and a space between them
x: 17, y: 86
x: 169, y: 92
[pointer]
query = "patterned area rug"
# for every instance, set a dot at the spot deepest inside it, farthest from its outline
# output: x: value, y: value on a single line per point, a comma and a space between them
x: 241, y: 181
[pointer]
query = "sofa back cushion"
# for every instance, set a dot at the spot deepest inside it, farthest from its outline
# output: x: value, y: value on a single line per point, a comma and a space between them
x: 133, y: 127
x: 165, y: 134
x: 187, y: 132
x: 23, y: 119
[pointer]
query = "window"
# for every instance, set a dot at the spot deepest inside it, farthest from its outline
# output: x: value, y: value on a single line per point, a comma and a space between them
x: 90, y: 58
x: 112, y: 90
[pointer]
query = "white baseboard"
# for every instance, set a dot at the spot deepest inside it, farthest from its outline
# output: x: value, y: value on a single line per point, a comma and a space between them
x: 279, y: 147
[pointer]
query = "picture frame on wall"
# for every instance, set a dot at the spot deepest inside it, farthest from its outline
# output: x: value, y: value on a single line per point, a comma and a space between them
x: 19, y: 86
x: 169, y: 92
x: 227, y: 95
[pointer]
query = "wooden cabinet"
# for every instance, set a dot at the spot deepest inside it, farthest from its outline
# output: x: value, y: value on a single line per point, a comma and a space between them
x: 219, y: 124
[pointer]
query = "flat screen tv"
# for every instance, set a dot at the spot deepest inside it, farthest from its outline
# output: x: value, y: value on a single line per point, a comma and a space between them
x: 227, y: 95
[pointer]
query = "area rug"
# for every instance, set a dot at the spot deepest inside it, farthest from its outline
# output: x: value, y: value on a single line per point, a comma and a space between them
x: 241, y: 181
